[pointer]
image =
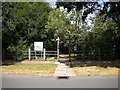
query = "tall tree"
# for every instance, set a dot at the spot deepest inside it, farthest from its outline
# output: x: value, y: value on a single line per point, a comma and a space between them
x: 23, y: 23
x: 57, y: 25
x: 104, y: 36
x: 23, y: 20
x: 65, y: 25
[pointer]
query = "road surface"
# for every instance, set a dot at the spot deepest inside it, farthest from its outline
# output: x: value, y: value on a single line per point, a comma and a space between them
x: 52, y: 82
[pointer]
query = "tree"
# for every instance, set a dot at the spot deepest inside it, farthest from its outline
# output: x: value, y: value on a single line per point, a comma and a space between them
x: 104, y: 36
x: 106, y: 30
x: 65, y: 25
x: 57, y: 25
x: 109, y: 9
x: 23, y: 23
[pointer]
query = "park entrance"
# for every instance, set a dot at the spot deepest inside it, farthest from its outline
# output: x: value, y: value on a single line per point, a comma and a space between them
x: 75, y: 51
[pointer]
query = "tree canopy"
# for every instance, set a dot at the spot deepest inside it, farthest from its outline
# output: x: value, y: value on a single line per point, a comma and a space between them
x: 26, y: 22
x: 23, y: 23
x: 109, y: 9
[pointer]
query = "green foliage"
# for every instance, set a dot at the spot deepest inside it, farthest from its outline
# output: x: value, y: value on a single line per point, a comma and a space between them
x: 23, y: 23
x: 70, y: 5
x: 104, y: 36
x: 57, y: 25
x: 108, y: 9
x: 60, y: 24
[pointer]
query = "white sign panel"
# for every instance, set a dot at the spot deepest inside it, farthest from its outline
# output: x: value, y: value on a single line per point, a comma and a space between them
x: 38, y: 46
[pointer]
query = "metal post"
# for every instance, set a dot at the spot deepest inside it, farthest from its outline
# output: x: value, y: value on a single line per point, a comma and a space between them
x: 44, y: 53
x: 29, y: 51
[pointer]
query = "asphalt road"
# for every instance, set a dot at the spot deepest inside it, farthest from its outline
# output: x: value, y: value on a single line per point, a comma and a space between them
x: 76, y: 82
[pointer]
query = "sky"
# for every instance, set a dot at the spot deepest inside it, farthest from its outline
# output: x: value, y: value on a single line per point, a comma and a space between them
x: 52, y: 3
x: 101, y: 2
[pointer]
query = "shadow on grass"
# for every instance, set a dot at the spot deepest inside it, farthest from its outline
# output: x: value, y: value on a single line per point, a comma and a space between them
x: 88, y: 63
x: 7, y: 62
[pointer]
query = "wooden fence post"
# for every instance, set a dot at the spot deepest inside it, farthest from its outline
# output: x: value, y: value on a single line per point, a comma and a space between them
x: 44, y: 53
x: 35, y: 55
x: 29, y: 51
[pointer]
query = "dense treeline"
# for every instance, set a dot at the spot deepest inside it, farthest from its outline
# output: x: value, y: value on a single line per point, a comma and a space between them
x: 24, y: 23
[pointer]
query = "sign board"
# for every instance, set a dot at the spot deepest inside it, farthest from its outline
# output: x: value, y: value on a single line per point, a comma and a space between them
x: 75, y: 48
x: 38, y: 46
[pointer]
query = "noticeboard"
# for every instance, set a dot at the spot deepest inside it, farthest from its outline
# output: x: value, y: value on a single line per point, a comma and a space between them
x: 38, y: 46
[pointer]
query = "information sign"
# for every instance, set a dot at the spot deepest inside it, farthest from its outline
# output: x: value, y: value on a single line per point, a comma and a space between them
x: 38, y: 46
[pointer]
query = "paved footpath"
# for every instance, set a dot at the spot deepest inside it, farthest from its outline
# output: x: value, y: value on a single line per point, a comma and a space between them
x: 64, y: 70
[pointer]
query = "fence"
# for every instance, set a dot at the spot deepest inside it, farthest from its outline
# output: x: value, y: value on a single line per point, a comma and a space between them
x: 79, y: 55
x: 92, y: 55
x: 30, y: 54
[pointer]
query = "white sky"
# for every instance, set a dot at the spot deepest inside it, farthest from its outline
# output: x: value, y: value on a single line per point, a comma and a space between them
x: 52, y: 3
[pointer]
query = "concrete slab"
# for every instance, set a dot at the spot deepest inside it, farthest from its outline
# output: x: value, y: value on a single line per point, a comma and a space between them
x: 64, y: 70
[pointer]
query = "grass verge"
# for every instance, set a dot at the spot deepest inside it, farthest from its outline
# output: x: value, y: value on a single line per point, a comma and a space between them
x: 30, y: 69
x: 96, y: 68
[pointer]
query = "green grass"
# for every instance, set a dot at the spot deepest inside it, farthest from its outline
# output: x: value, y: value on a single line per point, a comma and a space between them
x: 39, y: 69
